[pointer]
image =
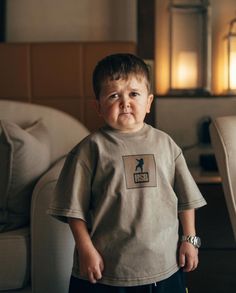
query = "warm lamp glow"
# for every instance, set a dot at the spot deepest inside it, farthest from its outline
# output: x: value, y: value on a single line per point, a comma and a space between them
x: 232, y: 71
x: 182, y: 47
x: 231, y: 55
x: 185, y: 75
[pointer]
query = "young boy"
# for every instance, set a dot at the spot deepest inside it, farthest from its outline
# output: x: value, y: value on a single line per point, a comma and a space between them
x: 122, y: 190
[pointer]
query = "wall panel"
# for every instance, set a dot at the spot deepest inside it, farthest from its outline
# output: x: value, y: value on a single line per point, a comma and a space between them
x: 56, y: 70
x: 14, y: 71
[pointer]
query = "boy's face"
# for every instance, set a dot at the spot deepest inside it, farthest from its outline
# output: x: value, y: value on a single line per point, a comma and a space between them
x: 123, y: 103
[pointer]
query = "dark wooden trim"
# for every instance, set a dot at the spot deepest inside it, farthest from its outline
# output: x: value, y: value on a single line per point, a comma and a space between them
x: 197, y: 97
x: 145, y: 15
x: 2, y: 20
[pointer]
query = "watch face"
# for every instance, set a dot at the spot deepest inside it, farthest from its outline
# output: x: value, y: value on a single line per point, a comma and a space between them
x: 197, y: 241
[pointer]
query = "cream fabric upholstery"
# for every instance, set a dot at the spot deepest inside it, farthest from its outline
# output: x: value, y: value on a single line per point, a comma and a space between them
x: 38, y: 258
x: 64, y: 130
x: 14, y: 258
x: 24, y: 157
x: 223, y: 136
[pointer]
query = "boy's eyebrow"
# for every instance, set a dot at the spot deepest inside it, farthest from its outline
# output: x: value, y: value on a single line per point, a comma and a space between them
x: 109, y: 91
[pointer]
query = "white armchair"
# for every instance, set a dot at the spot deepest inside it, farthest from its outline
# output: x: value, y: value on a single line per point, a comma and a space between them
x: 223, y: 137
x: 38, y: 257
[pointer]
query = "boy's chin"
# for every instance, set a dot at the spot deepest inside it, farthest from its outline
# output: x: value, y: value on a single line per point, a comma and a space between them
x: 129, y: 128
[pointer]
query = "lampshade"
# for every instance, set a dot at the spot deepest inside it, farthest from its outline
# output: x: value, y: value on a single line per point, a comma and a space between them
x: 189, y: 47
x: 231, y: 57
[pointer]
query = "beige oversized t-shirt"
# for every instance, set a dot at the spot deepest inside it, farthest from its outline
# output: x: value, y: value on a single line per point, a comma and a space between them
x: 129, y: 188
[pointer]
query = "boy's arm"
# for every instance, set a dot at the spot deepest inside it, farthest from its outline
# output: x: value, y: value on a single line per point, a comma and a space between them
x: 188, y: 254
x: 90, y: 261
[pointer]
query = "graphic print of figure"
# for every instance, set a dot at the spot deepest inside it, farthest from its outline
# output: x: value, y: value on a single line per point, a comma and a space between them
x: 139, y: 164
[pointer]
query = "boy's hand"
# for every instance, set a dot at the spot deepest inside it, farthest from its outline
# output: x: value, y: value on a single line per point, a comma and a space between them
x: 91, y: 264
x: 90, y: 261
x: 188, y: 256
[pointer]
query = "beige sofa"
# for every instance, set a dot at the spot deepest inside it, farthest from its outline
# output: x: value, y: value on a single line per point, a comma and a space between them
x: 222, y: 130
x: 36, y: 256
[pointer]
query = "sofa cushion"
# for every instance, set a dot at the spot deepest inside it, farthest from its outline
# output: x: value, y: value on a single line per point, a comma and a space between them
x: 14, y: 259
x: 24, y: 156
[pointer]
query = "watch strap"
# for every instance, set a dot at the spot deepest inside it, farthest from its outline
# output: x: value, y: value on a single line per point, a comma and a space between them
x: 194, y: 240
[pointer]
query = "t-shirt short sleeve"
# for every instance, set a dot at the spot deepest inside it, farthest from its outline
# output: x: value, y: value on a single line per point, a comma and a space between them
x: 185, y: 187
x: 72, y: 192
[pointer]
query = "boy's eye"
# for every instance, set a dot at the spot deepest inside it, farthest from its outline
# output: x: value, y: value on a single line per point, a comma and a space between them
x: 114, y: 96
x: 134, y: 94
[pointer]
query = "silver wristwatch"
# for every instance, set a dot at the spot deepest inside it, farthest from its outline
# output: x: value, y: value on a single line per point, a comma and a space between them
x: 194, y: 240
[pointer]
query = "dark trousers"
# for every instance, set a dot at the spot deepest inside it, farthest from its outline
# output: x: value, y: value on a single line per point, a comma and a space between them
x: 174, y: 284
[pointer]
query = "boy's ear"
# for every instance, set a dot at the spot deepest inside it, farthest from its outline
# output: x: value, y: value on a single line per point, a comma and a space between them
x: 149, y: 103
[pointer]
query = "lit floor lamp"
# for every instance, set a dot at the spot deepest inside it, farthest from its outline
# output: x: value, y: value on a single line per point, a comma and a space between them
x: 189, y: 48
x: 231, y: 58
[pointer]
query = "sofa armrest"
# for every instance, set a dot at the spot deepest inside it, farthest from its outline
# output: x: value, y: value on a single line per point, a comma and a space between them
x: 52, y: 241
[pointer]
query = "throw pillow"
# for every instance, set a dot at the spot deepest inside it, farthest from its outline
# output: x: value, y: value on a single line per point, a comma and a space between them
x: 24, y: 156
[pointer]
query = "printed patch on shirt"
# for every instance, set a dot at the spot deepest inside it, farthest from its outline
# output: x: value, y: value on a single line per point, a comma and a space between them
x: 140, y: 171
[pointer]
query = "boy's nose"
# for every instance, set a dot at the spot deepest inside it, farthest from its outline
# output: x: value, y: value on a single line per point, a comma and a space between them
x: 125, y: 104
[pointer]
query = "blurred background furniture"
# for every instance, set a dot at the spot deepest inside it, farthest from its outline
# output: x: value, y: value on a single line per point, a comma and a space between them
x: 38, y: 256
x: 223, y: 136
x: 215, y: 223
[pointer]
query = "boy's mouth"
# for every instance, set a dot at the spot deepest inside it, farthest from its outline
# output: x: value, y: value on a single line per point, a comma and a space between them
x: 126, y: 113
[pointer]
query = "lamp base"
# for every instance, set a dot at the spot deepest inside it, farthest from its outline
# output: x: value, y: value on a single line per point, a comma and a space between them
x: 230, y: 92
x: 198, y: 92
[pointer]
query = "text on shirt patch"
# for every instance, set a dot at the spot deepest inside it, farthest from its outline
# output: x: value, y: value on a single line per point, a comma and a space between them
x: 140, y: 171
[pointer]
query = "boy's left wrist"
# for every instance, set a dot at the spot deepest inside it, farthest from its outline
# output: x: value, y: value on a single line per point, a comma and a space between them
x: 193, y: 239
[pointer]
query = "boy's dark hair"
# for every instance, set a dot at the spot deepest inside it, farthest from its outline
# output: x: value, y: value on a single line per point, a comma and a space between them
x: 118, y: 66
